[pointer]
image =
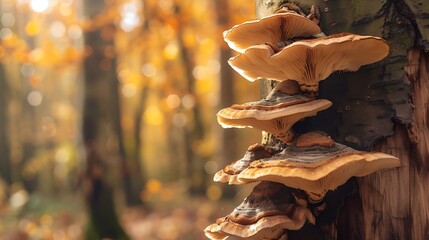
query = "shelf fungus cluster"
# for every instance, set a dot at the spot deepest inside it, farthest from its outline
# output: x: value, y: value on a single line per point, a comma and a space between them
x: 290, y: 48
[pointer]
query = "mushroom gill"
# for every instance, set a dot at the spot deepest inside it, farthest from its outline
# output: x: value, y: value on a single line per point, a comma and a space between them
x: 278, y: 27
x: 310, y: 61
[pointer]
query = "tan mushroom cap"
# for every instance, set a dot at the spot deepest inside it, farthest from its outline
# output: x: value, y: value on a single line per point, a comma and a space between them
x: 264, y: 214
x: 267, y: 228
x: 229, y: 173
x: 310, y: 61
x: 276, y: 115
x: 278, y: 27
x: 317, y: 169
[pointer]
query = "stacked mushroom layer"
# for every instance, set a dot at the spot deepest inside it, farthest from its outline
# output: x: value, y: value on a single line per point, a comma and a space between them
x: 275, y: 47
x: 276, y: 114
x: 310, y: 61
x: 264, y: 214
x: 316, y: 164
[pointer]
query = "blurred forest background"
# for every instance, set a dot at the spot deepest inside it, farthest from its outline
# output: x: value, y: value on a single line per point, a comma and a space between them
x: 107, y: 117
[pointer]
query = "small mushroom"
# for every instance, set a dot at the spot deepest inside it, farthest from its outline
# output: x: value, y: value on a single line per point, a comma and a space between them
x: 264, y: 214
x: 310, y: 61
x: 230, y: 172
x: 275, y: 28
x: 275, y: 114
x: 316, y: 168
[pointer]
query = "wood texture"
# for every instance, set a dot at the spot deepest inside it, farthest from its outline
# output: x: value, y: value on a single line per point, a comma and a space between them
x: 392, y: 204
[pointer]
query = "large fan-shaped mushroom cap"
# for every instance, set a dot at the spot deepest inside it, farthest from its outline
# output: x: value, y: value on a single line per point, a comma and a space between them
x: 275, y: 114
x: 278, y: 27
x: 310, y: 61
x: 316, y: 165
x: 264, y: 214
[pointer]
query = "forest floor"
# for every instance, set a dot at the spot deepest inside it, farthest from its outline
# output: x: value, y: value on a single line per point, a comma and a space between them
x: 182, y: 217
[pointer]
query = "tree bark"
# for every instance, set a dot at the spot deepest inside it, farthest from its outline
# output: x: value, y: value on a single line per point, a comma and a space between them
x: 381, y: 107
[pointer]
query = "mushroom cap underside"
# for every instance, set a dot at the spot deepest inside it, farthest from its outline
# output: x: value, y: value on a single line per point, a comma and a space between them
x: 274, y: 28
x: 230, y: 115
x: 321, y: 176
x: 277, y: 121
x: 269, y: 207
x: 265, y: 228
x: 310, y: 61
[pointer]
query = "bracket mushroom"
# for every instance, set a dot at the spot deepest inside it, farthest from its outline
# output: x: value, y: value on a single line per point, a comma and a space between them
x: 275, y: 114
x: 315, y: 163
x: 264, y: 214
x: 275, y: 28
x: 310, y: 61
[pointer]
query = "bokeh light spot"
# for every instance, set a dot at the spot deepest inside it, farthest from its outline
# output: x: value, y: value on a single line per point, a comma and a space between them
x: 27, y: 70
x: 36, y: 55
x: 39, y: 5
x: 74, y: 31
x: 7, y: 19
x: 200, y: 72
x: 5, y: 33
x: 188, y: 101
x: 62, y: 156
x: 32, y: 28
x: 57, y: 29
x: 129, y: 90
x: 149, y: 70
x: 130, y: 17
x: 153, y: 116
x: 214, y: 66
x: 34, y: 98
x: 173, y: 101
x: 214, y: 192
x: 153, y: 186
x: 18, y: 199
x: 171, y: 51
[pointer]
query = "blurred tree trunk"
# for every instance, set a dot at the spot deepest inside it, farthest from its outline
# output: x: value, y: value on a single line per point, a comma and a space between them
x: 227, y: 137
x: 226, y: 98
x: 194, y: 131
x: 100, y: 124
x: 5, y: 162
x: 383, y: 107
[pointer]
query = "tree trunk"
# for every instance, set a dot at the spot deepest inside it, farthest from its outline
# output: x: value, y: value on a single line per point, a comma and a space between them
x: 227, y: 137
x: 100, y: 124
x: 5, y: 163
x: 194, y: 131
x: 382, y: 107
